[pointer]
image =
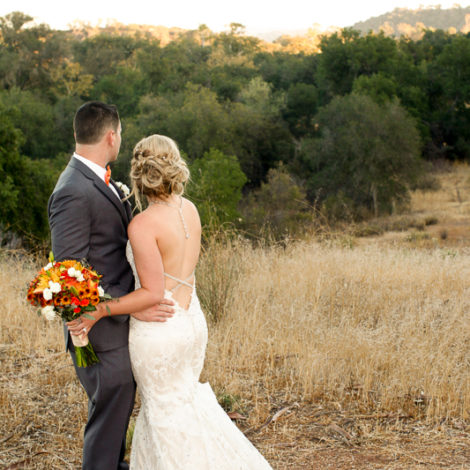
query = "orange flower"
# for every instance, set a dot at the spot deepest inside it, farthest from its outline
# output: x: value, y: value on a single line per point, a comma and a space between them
x: 107, y: 176
x: 84, y: 302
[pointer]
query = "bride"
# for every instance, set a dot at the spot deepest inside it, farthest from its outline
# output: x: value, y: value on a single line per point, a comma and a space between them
x: 180, y: 425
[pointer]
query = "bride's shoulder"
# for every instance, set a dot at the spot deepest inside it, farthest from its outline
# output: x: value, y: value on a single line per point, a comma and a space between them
x: 141, y: 221
x: 192, y: 207
x: 189, y: 203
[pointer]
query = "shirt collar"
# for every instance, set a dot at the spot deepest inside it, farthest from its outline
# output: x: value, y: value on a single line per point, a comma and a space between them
x: 98, y: 170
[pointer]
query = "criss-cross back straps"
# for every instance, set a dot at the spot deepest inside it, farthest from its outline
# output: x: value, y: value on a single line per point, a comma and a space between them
x: 180, y: 281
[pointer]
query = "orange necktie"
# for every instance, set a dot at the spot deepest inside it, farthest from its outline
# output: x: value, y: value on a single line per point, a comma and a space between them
x: 107, y: 176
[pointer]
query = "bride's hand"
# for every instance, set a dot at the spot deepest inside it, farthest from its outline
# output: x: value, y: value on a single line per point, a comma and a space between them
x: 83, y: 324
x: 158, y: 313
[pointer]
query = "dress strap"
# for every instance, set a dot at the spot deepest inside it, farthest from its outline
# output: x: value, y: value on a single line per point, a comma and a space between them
x: 180, y: 281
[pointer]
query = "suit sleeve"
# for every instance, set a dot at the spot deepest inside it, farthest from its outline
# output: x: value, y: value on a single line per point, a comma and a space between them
x: 69, y: 221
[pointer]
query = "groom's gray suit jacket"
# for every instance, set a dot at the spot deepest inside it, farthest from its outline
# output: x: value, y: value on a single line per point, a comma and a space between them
x: 89, y: 222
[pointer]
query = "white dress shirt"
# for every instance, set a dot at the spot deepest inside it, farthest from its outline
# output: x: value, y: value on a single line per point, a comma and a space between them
x: 98, y: 170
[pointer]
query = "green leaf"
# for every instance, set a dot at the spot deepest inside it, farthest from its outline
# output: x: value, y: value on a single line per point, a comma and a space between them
x: 74, y: 291
x: 38, y: 312
x: 51, y: 257
x: 90, y: 308
x: 108, y: 310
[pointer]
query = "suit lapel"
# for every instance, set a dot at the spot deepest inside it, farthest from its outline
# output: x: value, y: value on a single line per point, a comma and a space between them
x: 101, y: 186
x: 126, y: 204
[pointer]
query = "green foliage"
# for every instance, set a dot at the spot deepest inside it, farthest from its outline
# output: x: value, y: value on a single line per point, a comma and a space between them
x: 10, y: 162
x: 378, y: 86
x: 35, y: 118
x: 123, y: 88
x: 452, y: 69
x: 279, y: 206
x: 216, y: 187
x: 346, y: 55
x: 258, y: 96
x: 31, y: 52
x: 25, y: 188
x: 366, y: 155
x: 231, y: 93
x: 301, y: 106
x: 104, y: 54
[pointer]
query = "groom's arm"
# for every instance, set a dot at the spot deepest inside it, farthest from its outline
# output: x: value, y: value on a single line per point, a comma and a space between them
x: 69, y: 222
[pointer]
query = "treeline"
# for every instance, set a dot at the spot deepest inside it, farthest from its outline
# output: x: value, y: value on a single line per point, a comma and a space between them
x: 408, y: 22
x: 269, y: 135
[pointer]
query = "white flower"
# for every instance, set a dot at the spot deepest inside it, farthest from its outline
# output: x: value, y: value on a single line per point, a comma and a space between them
x: 47, y: 294
x: 49, y: 266
x: 100, y: 291
x: 72, y: 272
x: 54, y: 287
x: 126, y: 191
x: 48, y: 312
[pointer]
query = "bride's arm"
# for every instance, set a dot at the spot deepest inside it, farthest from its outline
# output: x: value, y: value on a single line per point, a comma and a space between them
x: 149, y: 266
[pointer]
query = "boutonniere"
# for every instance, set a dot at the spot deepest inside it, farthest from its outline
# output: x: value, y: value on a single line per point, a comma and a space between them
x: 126, y: 191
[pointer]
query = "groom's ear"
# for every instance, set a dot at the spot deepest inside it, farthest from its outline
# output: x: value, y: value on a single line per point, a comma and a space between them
x: 110, y: 137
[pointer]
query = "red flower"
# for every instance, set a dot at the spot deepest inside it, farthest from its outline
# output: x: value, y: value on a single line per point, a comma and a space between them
x: 77, y: 310
x: 84, y: 302
x: 75, y: 301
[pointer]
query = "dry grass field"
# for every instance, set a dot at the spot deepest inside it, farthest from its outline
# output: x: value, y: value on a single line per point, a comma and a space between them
x: 337, y: 353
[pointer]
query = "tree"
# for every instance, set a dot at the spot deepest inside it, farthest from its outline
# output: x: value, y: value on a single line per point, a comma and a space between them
x: 279, y: 205
x: 378, y: 86
x: 258, y: 95
x: 31, y: 51
x: 452, y: 68
x: 35, y: 118
x: 26, y: 186
x: 301, y: 107
x: 366, y: 152
x: 216, y: 187
x: 346, y: 55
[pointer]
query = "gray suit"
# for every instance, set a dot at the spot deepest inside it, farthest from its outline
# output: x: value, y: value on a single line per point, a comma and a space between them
x: 89, y: 222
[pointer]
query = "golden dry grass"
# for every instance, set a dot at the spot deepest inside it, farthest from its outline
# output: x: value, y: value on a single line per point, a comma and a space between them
x: 340, y: 355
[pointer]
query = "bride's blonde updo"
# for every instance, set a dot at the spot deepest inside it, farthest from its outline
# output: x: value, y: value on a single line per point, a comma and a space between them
x: 157, y: 169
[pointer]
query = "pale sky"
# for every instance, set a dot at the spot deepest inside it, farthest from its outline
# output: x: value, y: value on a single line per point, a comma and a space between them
x: 256, y: 15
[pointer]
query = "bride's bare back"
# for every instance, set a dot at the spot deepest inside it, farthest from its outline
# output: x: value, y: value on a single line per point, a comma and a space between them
x: 166, y: 242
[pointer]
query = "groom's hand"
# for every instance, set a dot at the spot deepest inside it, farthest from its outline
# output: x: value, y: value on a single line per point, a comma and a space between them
x: 159, y: 313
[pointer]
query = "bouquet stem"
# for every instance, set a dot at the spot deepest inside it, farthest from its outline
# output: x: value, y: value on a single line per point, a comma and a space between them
x: 84, y: 353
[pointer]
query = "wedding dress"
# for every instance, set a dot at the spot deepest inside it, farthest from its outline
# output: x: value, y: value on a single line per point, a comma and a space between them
x: 180, y: 425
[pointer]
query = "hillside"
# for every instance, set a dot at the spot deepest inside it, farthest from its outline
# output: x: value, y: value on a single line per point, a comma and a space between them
x: 403, y: 21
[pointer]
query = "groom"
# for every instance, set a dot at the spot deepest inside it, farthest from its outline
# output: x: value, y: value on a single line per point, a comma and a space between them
x: 88, y: 220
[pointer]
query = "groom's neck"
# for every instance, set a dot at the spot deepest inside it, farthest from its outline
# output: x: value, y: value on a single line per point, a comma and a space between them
x: 94, y: 153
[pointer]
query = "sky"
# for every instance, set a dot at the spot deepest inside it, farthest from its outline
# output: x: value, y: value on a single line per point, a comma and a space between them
x: 255, y: 15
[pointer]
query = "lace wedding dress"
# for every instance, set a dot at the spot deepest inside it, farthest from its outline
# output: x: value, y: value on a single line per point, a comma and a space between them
x: 180, y: 425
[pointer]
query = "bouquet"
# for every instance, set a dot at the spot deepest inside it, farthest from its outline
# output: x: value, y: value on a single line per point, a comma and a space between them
x: 67, y: 290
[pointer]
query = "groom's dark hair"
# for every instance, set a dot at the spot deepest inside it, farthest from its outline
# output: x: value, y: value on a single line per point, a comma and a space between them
x: 92, y: 120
